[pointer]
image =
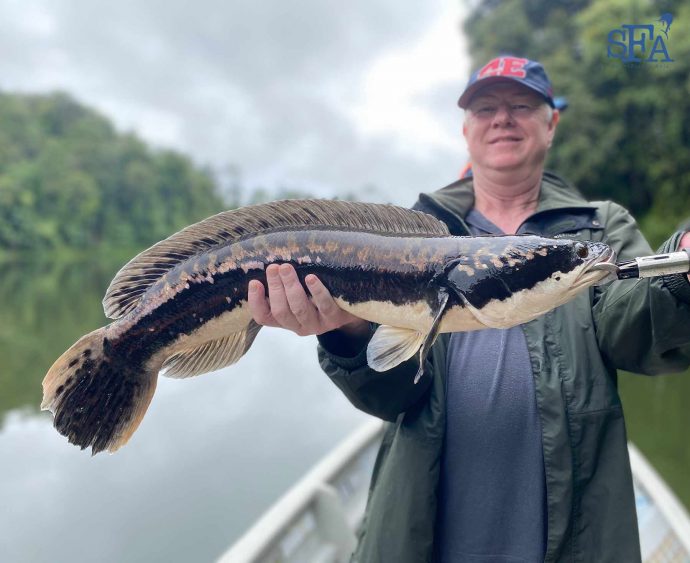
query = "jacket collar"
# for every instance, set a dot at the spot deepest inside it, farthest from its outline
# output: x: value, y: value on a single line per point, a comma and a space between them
x: 453, y: 202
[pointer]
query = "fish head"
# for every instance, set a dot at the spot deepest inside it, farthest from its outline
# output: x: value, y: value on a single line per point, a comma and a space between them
x: 515, y: 279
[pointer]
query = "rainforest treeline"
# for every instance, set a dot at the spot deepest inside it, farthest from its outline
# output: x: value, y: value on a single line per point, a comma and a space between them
x: 69, y: 180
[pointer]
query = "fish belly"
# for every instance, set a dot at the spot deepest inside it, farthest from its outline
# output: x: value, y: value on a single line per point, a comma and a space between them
x: 460, y: 319
x: 415, y: 315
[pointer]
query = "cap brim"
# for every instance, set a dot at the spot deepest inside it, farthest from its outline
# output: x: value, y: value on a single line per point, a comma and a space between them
x: 470, y: 91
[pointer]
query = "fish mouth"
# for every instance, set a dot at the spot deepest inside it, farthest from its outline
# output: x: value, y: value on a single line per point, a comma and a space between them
x: 605, y: 261
x: 599, y: 269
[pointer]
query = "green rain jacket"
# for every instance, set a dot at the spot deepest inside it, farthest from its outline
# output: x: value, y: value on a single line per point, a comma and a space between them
x: 575, y: 350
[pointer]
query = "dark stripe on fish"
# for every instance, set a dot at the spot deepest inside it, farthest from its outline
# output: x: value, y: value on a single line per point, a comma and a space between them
x: 356, y: 267
x: 201, y: 295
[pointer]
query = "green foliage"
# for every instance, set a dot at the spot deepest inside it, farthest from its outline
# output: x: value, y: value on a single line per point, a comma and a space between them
x: 69, y: 180
x: 626, y: 134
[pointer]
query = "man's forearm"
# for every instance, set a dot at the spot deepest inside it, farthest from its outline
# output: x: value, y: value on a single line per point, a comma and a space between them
x: 347, y: 341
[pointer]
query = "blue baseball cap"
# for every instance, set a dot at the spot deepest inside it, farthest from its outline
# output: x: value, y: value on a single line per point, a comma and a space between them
x: 508, y: 68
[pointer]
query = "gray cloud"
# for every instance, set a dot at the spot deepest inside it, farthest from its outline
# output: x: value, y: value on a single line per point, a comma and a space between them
x: 263, y: 86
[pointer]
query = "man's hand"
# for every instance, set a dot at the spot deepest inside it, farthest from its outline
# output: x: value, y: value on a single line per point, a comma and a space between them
x: 685, y: 243
x: 288, y: 305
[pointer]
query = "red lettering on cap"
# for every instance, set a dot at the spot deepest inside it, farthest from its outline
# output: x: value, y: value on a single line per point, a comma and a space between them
x: 504, y: 66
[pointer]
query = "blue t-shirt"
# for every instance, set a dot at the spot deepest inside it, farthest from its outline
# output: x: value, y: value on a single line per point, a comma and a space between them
x: 492, y: 497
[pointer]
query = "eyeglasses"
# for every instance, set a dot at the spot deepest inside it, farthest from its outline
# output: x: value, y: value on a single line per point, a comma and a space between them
x: 488, y: 110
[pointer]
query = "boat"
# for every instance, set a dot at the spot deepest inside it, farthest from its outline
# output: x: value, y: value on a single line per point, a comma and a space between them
x: 315, y: 521
x: 663, y: 521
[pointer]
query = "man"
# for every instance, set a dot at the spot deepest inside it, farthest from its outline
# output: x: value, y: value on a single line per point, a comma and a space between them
x: 512, y: 446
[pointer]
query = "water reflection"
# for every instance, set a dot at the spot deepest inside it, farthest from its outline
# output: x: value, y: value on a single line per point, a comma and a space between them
x: 45, y: 307
x: 211, y: 455
x: 658, y: 422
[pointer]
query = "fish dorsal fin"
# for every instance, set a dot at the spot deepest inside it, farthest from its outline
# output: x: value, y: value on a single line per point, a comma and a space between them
x: 391, y: 346
x: 211, y: 355
x: 140, y: 273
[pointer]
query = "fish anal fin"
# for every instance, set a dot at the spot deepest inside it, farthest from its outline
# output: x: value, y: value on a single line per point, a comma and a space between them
x: 211, y: 355
x: 391, y: 346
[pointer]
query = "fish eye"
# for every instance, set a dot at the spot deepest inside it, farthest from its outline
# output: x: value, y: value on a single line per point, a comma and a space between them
x: 581, y: 250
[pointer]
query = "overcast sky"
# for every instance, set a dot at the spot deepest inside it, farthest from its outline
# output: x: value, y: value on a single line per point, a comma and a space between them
x: 328, y: 97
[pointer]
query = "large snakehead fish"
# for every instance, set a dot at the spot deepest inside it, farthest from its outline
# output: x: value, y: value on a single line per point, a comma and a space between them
x: 180, y: 307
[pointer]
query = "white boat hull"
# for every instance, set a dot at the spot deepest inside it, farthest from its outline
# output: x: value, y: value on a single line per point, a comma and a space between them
x: 316, y: 519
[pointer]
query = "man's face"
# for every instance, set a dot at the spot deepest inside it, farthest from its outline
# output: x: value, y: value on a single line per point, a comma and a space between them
x: 507, y: 127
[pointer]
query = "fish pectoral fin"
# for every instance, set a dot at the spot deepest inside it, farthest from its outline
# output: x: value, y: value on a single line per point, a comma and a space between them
x: 211, y: 355
x: 433, y: 332
x: 391, y: 346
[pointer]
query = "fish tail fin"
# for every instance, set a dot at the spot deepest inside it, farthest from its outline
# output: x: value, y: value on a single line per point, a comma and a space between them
x: 96, y: 401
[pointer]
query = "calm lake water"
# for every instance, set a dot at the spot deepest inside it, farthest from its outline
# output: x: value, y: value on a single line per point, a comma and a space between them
x: 212, y: 453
